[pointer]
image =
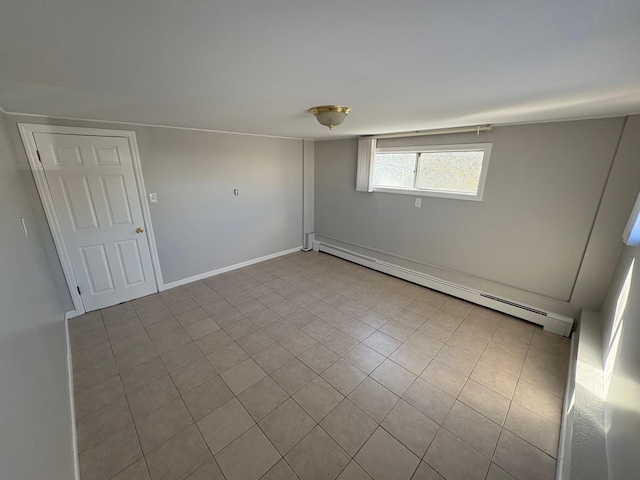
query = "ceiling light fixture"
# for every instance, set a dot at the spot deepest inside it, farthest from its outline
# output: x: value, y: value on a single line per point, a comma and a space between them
x: 330, y: 115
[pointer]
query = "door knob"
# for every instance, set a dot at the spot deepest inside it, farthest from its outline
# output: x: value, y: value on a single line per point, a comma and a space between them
x: 139, y: 230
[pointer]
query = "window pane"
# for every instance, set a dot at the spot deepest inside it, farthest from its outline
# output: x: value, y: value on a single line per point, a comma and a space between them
x: 394, y: 170
x: 450, y: 171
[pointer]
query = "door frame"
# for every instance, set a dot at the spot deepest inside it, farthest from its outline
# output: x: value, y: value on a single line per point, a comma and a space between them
x: 27, y: 131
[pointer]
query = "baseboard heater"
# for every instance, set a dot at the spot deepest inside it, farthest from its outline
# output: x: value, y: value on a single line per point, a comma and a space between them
x: 551, y: 321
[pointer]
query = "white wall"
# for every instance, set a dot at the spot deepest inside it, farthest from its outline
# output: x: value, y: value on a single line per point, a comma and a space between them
x: 525, y: 240
x: 199, y: 224
x: 35, y: 422
x: 621, y: 358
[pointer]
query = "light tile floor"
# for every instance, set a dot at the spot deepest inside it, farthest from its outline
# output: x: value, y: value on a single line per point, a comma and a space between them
x: 310, y: 367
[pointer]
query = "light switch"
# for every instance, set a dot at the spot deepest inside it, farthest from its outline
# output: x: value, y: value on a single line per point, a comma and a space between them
x: 418, y: 202
x: 153, y: 198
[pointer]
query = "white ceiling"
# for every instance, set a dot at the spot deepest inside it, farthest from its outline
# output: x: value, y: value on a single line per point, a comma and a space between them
x: 256, y: 66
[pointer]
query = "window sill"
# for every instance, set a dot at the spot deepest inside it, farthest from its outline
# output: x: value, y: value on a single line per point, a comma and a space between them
x: 430, y: 193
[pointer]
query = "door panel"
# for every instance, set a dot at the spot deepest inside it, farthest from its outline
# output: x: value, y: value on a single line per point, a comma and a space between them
x: 93, y: 186
x: 129, y: 257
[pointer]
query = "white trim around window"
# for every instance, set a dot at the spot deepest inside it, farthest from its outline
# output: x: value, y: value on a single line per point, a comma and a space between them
x: 433, y: 192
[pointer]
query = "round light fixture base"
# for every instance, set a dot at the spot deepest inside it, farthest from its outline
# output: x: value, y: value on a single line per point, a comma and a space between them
x: 330, y: 115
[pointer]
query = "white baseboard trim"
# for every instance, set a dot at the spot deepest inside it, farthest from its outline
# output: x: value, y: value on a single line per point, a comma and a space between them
x: 72, y: 408
x: 554, y: 322
x: 212, y: 273
x: 563, y: 466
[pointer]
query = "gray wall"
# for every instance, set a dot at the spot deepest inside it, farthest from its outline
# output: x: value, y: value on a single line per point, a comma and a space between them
x: 199, y: 224
x: 621, y: 359
x: 524, y: 240
x: 34, y: 387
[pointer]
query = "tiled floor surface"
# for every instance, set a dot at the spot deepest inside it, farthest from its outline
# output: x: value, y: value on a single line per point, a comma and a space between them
x: 311, y: 367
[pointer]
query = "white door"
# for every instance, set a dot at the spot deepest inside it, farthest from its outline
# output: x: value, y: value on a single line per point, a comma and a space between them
x: 94, y: 191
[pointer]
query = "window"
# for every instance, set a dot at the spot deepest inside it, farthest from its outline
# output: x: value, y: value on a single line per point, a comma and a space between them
x: 452, y: 171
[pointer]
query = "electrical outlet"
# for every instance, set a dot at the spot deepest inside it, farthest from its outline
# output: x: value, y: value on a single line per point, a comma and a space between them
x: 418, y: 202
x: 235, y: 192
x: 153, y: 198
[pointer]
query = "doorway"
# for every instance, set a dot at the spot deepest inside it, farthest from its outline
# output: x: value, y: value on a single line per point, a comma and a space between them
x: 91, y: 186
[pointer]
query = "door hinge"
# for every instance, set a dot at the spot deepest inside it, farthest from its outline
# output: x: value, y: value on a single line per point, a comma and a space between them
x: 79, y: 293
x: 39, y: 157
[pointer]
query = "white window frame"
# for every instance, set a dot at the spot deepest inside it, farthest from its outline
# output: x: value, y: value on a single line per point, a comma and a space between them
x: 485, y: 147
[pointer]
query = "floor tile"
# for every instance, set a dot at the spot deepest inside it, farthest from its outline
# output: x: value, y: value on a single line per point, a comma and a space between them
x: 539, y: 401
x: 293, y: 375
x: 357, y: 329
x: 224, y: 425
x: 523, y: 460
x: 339, y: 342
x: 343, y: 376
x: 242, y: 376
x: 272, y: 357
x: 318, y: 398
x: 374, y: 319
x: 454, y: 460
x: 425, y: 472
x: 248, y: 457
x: 497, y: 380
x: 298, y: 317
x: 318, y: 329
x: 135, y: 471
x: 353, y: 472
x: 241, y: 328
x: 410, y: 427
x: 179, y: 456
x: 192, y: 316
x: 474, y: 429
x: 436, y: 330
x: 533, y: 428
x: 393, y: 376
x: 102, y: 423
x: 383, y: 457
x: 505, y: 361
x: 425, y: 344
x: 397, y: 330
x: 255, y: 342
x: 227, y: 357
x: 214, y: 341
x: 484, y: 400
x: 162, y: 424
x: 382, y: 343
x: 318, y: 358
x: 446, y: 379
x: 456, y: 359
x: 280, y: 471
x: 180, y: 357
x: 109, y: 456
x: 411, y: 359
x: 98, y: 396
x: 207, y: 397
x: 262, y: 398
x: 279, y: 329
x: 208, y: 471
x: 297, y: 342
x: 201, y: 328
x: 317, y: 457
x: 349, y: 426
x: 192, y: 375
x: 364, y: 358
x: 287, y: 425
x: 496, y: 473
x: 373, y: 399
x: 151, y: 397
x: 431, y: 401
